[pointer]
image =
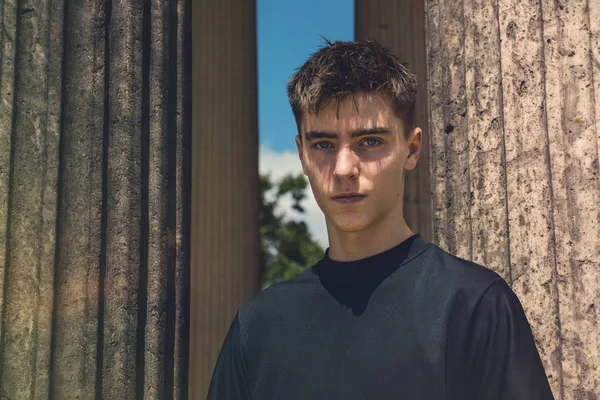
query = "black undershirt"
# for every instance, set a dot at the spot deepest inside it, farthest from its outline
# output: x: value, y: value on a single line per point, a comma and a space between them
x: 413, y: 322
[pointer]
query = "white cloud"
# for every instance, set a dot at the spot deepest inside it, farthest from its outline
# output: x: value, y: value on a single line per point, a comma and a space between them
x: 279, y: 164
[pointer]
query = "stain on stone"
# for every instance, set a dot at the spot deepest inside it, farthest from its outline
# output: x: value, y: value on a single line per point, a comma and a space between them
x: 495, y: 125
x: 522, y: 88
x: 570, y: 111
x: 556, y: 357
x: 573, y: 220
x: 546, y: 286
x: 566, y: 52
x: 524, y: 261
x: 449, y: 128
x: 510, y: 30
x: 533, y: 27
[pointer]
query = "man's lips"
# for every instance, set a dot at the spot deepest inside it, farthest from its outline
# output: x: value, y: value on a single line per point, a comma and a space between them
x: 348, y: 198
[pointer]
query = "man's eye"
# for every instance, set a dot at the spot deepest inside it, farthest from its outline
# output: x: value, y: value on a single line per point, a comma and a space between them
x: 322, y: 145
x: 370, y: 142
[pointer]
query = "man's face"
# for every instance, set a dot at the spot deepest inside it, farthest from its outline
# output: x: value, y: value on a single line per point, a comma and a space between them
x: 354, y: 157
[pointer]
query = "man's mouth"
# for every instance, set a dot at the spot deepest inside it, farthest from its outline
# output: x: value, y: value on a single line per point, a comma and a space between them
x: 348, y: 198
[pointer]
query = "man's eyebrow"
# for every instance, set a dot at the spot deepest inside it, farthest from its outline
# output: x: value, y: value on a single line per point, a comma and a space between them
x: 369, y: 131
x: 311, y: 135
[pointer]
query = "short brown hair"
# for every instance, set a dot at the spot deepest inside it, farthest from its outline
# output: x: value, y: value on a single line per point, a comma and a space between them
x: 340, y: 69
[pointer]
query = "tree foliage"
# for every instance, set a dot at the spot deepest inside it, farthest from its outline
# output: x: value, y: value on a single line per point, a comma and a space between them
x: 286, y: 246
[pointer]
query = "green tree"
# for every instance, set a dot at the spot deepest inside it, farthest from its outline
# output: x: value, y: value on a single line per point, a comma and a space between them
x: 286, y: 246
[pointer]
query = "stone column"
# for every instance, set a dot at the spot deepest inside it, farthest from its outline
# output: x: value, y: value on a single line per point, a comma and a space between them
x: 400, y: 26
x: 94, y: 199
x: 514, y: 91
x: 225, y: 177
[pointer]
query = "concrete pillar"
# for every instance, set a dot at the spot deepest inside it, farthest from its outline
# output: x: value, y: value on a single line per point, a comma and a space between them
x: 225, y: 177
x: 94, y: 199
x: 400, y: 26
x: 514, y: 115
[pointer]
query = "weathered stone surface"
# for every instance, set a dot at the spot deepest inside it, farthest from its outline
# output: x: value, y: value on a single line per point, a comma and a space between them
x: 401, y: 27
x: 8, y: 33
x: 573, y: 147
x: 594, y: 21
x: 124, y: 202
x: 78, y: 266
x: 485, y: 133
x: 30, y: 233
x: 437, y: 153
x: 529, y: 99
x: 160, y: 323
x: 528, y: 187
x: 449, y: 156
x: 183, y: 148
x: 95, y: 173
x: 225, y: 166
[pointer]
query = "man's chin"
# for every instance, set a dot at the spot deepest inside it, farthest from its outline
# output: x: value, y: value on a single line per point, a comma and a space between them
x: 350, y: 224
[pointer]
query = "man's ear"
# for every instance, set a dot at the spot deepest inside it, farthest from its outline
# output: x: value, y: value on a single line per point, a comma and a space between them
x: 415, y: 141
x: 300, y: 152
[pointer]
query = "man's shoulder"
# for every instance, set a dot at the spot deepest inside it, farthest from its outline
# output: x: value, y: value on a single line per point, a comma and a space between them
x: 459, y: 286
x: 458, y: 273
x: 277, y: 300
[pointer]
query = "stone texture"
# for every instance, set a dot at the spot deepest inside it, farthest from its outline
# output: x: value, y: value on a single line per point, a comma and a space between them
x: 8, y: 33
x: 225, y: 160
x: 516, y: 84
x: 31, y: 204
x: 573, y: 147
x: 449, y: 165
x: 80, y: 213
x: 528, y: 186
x: 485, y: 135
x: 400, y: 25
x: 95, y: 177
x: 183, y: 176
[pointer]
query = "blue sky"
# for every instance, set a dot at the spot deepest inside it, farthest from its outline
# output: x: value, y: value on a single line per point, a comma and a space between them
x: 288, y: 32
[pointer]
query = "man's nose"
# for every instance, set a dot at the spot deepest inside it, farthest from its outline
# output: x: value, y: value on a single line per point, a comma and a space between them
x: 346, y: 165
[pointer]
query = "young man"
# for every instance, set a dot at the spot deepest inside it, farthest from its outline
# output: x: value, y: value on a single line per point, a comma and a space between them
x: 384, y: 315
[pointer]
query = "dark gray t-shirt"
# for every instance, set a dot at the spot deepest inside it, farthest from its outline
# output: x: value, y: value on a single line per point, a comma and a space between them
x: 413, y: 322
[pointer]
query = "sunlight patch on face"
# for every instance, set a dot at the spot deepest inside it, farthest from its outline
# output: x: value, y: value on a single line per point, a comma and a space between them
x: 338, y: 160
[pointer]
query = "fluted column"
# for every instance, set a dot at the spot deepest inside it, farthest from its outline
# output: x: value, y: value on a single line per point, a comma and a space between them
x: 514, y: 115
x: 400, y: 26
x: 30, y: 101
x: 94, y: 199
x: 225, y: 177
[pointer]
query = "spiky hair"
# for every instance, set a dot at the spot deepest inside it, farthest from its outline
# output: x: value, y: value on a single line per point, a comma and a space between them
x: 340, y: 69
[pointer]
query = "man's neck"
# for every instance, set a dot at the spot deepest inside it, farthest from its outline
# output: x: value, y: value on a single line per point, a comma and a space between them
x: 351, y: 246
